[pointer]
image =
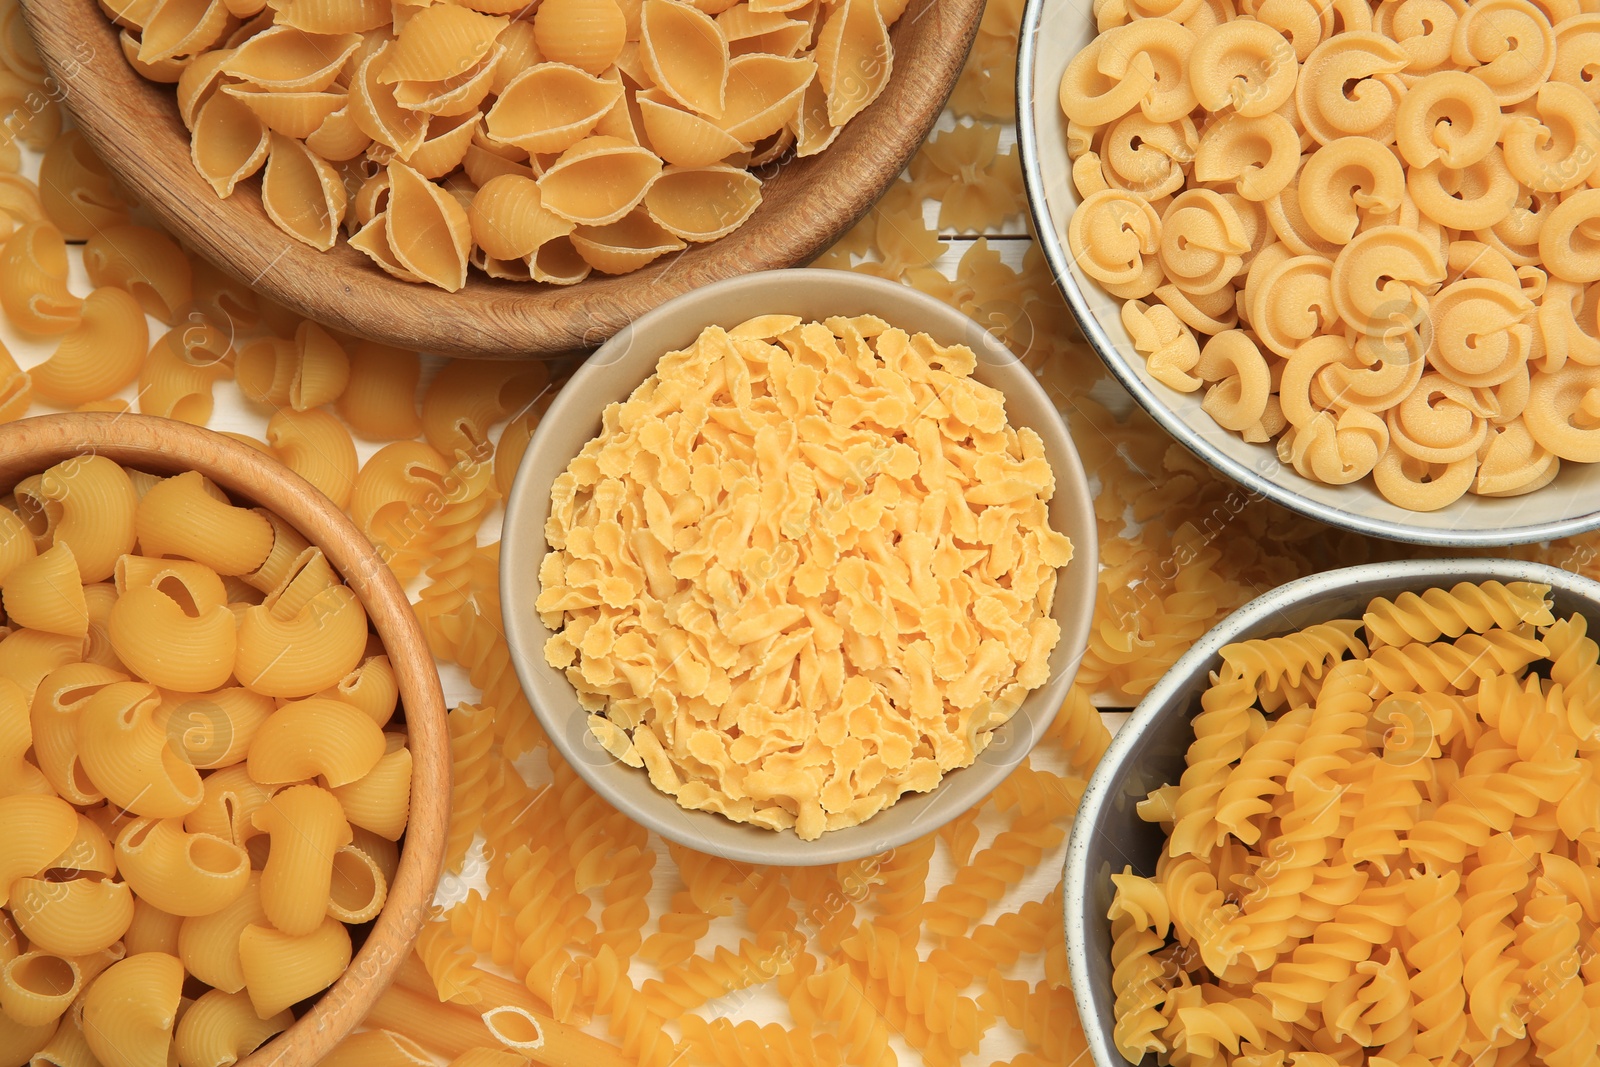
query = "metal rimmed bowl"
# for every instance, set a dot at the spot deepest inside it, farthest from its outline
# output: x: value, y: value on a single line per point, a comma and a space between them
x: 610, y: 376
x: 1053, y: 31
x: 1149, y: 750
x: 251, y: 477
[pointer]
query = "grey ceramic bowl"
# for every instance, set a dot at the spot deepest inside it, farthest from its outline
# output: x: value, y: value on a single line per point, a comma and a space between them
x: 1053, y: 31
x: 610, y: 375
x: 1148, y: 751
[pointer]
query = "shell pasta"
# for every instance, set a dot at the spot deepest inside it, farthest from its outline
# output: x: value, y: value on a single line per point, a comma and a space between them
x: 203, y: 764
x: 536, y: 142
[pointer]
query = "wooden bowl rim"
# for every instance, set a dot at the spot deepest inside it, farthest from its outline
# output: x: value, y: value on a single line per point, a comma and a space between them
x: 813, y: 201
x: 31, y: 445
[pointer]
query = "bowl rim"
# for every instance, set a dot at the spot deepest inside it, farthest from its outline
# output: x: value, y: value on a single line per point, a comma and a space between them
x: 1102, y: 784
x: 150, y: 442
x: 1257, y: 484
x: 834, y: 846
x: 492, y: 318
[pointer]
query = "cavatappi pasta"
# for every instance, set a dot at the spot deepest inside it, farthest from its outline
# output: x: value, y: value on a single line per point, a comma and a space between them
x: 1382, y: 849
x: 200, y: 781
x: 1370, y: 233
x: 778, y: 616
x: 533, y: 141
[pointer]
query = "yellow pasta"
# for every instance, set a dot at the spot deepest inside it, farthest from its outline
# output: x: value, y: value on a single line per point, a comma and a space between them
x: 136, y: 1000
x: 45, y: 593
x: 181, y: 873
x: 33, y: 281
x: 380, y: 800
x: 37, y: 987
x: 317, y: 736
x: 178, y: 375
x: 179, y: 517
x: 42, y: 828
x: 76, y: 190
x: 220, y: 1028
x: 152, y: 930
x: 316, y: 446
x: 379, y: 402
x: 307, y: 827
x: 209, y: 944
x: 280, y: 970
x: 77, y: 917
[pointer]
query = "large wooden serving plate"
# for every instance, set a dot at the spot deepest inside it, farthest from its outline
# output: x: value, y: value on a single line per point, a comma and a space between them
x: 808, y: 203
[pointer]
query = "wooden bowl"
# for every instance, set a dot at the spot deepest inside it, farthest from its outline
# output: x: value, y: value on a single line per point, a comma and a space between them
x: 807, y: 204
x: 163, y: 446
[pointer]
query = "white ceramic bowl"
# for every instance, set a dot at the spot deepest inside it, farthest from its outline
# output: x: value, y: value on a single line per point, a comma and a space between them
x: 610, y: 375
x: 1053, y: 31
x: 1149, y: 750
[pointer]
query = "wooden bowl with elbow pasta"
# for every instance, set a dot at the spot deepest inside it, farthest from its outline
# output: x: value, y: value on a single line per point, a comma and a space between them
x: 229, y: 782
x: 996, y: 740
x: 806, y: 202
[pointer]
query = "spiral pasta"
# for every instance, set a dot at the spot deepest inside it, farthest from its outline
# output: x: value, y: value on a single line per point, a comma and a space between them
x: 1393, y: 872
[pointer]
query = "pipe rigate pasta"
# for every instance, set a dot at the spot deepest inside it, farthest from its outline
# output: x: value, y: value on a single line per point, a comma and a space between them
x: 1424, y: 171
x: 220, y: 1028
x: 157, y: 809
x: 137, y: 1000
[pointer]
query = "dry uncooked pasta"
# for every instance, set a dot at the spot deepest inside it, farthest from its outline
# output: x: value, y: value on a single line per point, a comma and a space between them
x: 827, y: 582
x: 1382, y: 848
x: 192, y: 739
x: 533, y: 141
x: 1370, y: 233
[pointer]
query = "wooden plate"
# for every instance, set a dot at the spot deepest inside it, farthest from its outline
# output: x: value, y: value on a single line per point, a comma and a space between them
x: 808, y: 203
x: 162, y: 446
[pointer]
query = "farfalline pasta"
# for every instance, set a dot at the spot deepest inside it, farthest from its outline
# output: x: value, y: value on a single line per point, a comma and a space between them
x: 1370, y: 234
x: 212, y: 791
x: 826, y: 582
x: 629, y: 126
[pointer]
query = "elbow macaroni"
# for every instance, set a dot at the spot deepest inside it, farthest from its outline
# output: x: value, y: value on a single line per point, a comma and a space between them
x: 1388, y: 205
x: 175, y: 672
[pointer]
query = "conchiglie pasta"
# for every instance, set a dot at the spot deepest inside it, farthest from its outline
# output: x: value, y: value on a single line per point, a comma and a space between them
x: 221, y: 1028
x: 551, y: 107
x: 285, y: 59
x: 229, y: 143
x: 129, y: 1011
x: 280, y: 969
x: 598, y: 180
x: 179, y: 872
x: 685, y: 55
x: 302, y: 193
x: 439, y: 42
x: 428, y: 231
x: 509, y: 220
x: 625, y: 245
x: 682, y: 137
x: 291, y: 114
x: 702, y: 204
x: 854, y: 58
